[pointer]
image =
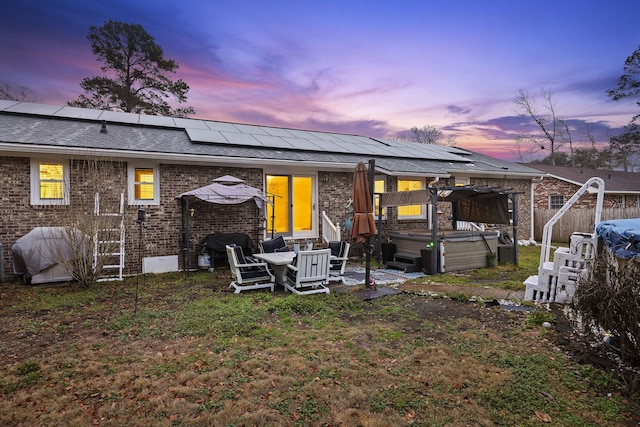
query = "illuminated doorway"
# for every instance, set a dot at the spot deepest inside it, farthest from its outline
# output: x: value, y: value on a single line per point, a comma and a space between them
x: 293, y: 212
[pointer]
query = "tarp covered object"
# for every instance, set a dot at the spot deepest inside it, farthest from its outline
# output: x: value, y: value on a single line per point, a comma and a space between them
x: 226, y: 194
x: 622, y: 236
x: 40, y: 249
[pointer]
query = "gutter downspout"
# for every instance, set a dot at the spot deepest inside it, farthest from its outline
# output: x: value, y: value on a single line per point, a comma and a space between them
x: 429, y: 185
x: 531, y: 218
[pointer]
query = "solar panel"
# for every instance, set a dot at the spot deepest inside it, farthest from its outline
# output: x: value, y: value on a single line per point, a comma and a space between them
x: 221, y: 126
x: 146, y: 119
x: 303, y: 134
x: 423, y: 151
x: 241, y: 139
x: 214, y: 132
x: 325, y: 136
x: 78, y: 113
x: 32, y: 108
x: 119, y: 117
x: 5, y: 103
x: 189, y: 123
x: 210, y: 136
x: 346, y: 138
x: 455, y: 150
x: 324, y: 145
x: 251, y: 129
x: 277, y: 132
x: 273, y: 141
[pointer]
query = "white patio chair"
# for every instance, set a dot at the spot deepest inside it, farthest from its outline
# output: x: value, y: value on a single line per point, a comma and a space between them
x: 309, y: 272
x: 340, y: 255
x: 248, y: 273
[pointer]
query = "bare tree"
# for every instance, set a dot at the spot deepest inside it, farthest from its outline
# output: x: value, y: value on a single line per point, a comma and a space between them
x: 20, y: 93
x: 553, y: 132
x: 87, y: 237
x: 428, y: 134
x: 566, y: 137
x: 525, y: 149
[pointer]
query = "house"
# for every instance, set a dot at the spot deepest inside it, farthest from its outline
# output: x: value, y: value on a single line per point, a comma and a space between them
x: 559, y: 183
x: 55, y: 159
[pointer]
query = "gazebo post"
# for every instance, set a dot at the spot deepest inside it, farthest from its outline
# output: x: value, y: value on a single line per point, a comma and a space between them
x: 435, y: 253
x: 186, y: 236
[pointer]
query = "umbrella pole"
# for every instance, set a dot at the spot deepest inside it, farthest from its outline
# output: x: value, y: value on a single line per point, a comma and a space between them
x: 367, y: 245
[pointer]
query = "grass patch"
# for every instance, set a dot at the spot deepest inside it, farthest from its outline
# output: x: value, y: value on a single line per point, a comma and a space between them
x: 502, y: 276
x: 195, y: 354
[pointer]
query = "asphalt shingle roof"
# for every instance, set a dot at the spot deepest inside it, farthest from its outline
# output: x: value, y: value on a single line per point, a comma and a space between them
x: 614, y: 181
x: 60, y: 127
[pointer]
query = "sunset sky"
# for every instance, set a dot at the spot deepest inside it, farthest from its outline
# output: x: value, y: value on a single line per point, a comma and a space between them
x: 369, y: 67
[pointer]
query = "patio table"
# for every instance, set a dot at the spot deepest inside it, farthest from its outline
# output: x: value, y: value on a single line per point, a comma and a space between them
x: 279, y: 261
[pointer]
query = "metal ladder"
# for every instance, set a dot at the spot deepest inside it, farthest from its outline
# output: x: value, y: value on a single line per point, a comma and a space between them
x: 108, y: 250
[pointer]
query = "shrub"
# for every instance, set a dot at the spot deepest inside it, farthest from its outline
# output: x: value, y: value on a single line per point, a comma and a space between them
x: 608, y: 301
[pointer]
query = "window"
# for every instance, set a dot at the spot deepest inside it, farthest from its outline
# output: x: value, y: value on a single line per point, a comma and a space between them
x: 620, y: 202
x: 411, y: 211
x: 293, y: 210
x: 144, y: 188
x: 556, y: 201
x: 379, y: 186
x: 49, y: 182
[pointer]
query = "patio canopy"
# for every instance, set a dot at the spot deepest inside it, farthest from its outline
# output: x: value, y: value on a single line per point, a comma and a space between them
x: 227, y: 190
x: 474, y: 204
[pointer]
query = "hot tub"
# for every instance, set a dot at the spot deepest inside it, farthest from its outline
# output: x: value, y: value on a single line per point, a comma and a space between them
x: 458, y: 250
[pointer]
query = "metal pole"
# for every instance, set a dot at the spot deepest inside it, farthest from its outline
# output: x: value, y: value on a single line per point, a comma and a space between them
x: 435, y: 252
x: 515, y: 228
x: 367, y: 245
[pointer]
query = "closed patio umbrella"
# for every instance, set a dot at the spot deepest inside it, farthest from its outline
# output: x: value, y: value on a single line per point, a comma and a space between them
x: 364, y: 224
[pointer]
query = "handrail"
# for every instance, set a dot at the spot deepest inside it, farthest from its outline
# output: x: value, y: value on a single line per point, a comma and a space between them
x: 469, y: 226
x: 546, y: 231
x: 330, y: 231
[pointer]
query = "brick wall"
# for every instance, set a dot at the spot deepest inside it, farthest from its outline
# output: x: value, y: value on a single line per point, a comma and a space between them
x: 162, y: 234
x: 163, y: 231
x: 551, y: 186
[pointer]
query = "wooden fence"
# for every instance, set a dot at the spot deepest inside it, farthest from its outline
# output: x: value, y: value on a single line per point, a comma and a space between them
x: 576, y: 220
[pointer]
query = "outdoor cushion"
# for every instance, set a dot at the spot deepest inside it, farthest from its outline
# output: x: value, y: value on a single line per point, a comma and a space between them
x: 276, y: 244
x: 250, y: 271
x: 337, y: 248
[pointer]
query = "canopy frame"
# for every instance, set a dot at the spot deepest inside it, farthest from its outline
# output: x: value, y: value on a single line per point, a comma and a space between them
x: 227, y: 190
x: 469, y: 203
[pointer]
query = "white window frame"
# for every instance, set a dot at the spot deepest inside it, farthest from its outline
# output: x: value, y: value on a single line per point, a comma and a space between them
x: 424, y: 207
x: 556, y: 195
x: 35, y: 183
x: 296, y: 172
x: 131, y: 176
x: 384, y: 209
x: 462, y: 182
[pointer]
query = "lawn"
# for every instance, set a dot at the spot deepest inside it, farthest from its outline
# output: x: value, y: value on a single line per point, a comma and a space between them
x: 503, y: 276
x: 191, y: 353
